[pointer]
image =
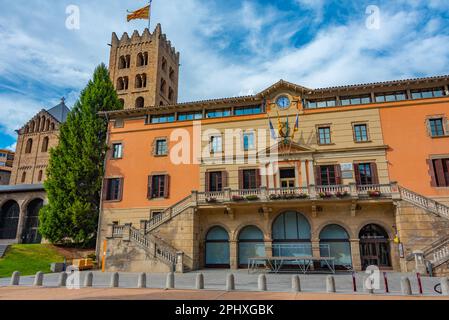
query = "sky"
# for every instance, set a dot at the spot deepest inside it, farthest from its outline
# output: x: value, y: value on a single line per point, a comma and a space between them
x: 228, y: 48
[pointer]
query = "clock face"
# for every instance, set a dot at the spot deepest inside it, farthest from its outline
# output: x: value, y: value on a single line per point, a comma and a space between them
x: 283, y: 102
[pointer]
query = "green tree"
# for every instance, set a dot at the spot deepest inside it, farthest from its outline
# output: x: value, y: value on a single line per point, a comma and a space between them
x: 76, y: 166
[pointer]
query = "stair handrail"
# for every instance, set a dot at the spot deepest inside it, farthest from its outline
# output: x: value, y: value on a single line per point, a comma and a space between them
x: 424, y: 202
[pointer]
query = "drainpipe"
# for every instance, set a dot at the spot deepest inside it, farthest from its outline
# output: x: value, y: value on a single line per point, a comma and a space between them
x: 100, y: 209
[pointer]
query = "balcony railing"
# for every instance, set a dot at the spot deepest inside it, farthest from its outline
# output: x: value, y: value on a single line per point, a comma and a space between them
x: 350, y: 191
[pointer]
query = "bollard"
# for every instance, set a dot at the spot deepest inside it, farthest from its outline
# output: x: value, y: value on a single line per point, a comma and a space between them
x: 170, y: 282
x: 330, y: 284
x: 445, y: 286
x: 418, y: 277
x: 114, y: 280
x: 88, y: 280
x: 199, y: 281
x: 15, y: 279
x: 38, y: 279
x: 387, y: 289
x: 62, y: 281
x: 142, y: 281
x: 230, y: 282
x: 262, y: 283
x: 296, y: 284
x: 354, y: 283
x: 406, y: 288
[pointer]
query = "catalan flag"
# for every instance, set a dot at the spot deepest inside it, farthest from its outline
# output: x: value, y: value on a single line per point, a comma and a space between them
x: 143, y: 13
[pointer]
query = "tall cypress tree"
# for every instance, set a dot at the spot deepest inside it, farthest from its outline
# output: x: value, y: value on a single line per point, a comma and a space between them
x: 76, y: 167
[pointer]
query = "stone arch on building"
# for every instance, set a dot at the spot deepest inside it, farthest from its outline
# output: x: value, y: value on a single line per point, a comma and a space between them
x: 335, y: 243
x: 9, y: 219
x: 30, y: 232
x: 217, y: 247
x: 375, y: 248
x: 250, y: 244
x: 140, y: 102
x: 353, y: 234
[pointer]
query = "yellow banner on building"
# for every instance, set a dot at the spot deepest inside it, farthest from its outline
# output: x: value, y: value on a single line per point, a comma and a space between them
x: 143, y: 13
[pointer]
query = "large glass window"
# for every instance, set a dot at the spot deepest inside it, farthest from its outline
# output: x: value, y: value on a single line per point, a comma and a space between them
x: 215, y: 181
x: 218, y: 113
x: 313, y: 104
x: 113, y: 189
x: 324, y: 135
x: 217, y: 248
x: 365, y: 173
x: 427, y: 93
x: 158, y: 186
x: 334, y: 242
x: 163, y: 118
x: 361, y: 132
x: 249, y: 141
x: 346, y: 101
x: 327, y: 175
x: 391, y: 97
x: 251, y: 245
x: 183, y: 116
x: 241, y: 111
x: 249, y: 179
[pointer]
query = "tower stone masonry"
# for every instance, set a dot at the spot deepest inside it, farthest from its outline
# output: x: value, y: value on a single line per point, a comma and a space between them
x: 144, y: 69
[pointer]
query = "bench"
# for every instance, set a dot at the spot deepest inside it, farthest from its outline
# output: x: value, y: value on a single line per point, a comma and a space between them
x: 83, y: 264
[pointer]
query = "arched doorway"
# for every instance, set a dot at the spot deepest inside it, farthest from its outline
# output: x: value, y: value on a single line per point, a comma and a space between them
x: 9, y: 220
x: 30, y: 233
x: 291, y: 235
x: 251, y: 245
x: 374, y: 246
x: 334, y: 242
x: 217, y: 248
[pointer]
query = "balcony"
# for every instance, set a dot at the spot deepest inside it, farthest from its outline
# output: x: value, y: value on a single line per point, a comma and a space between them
x: 310, y: 193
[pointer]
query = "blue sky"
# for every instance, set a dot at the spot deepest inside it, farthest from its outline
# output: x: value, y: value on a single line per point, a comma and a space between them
x: 228, y: 48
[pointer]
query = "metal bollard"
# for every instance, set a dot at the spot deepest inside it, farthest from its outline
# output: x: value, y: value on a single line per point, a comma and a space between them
x: 354, y: 282
x: 406, y: 287
x: 445, y: 286
x: 142, y: 281
x: 38, y: 279
x: 418, y: 277
x: 88, y: 280
x: 262, y: 283
x: 170, y: 282
x: 387, y: 289
x: 115, y: 280
x: 15, y: 279
x: 230, y: 282
x: 330, y: 284
x: 199, y: 285
x: 62, y: 280
x: 296, y: 284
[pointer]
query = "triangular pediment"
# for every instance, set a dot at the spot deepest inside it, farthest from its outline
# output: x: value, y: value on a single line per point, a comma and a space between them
x: 289, y: 148
x: 283, y: 85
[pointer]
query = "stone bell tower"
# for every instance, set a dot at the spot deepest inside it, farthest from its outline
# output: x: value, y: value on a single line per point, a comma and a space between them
x: 144, y: 69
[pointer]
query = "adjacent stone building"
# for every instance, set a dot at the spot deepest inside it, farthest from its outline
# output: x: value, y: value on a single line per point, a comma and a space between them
x: 6, y: 160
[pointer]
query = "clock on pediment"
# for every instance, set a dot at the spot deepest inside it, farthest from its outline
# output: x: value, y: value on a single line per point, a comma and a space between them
x: 283, y: 102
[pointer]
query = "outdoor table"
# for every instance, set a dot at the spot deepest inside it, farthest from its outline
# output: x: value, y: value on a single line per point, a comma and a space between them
x: 303, y: 262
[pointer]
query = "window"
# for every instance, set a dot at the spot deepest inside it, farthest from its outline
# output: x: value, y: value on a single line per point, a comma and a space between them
x: 287, y: 177
x: 161, y: 147
x: 324, y: 135
x: 24, y: 176
x: 164, y: 64
x: 440, y: 172
x: 183, y: 116
x: 119, y: 123
x: 142, y: 59
x: 328, y: 176
x: 240, y: 111
x: 391, y: 97
x: 163, y: 86
x: 140, y: 102
x: 172, y: 74
x: 122, y: 83
x: 313, y: 104
x: 436, y: 127
x: 215, y: 181
x: 171, y: 94
x: 114, y: 189
x: 39, y: 176
x: 2, y: 164
x: 163, y: 118
x: 141, y: 81
x: 45, y: 144
x: 218, y: 113
x: 248, y: 141
x: 158, y: 186
x: 29, y: 146
x: 216, y: 144
x: 346, y: 101
x: 360, y: 133
x: 117, y: 151
x: 427, y: 93
x: 124, y: 62
x: 366, y: 173
x: 249, y: 179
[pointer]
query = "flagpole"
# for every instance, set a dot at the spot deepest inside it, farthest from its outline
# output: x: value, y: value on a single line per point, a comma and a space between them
x: 149, y: 16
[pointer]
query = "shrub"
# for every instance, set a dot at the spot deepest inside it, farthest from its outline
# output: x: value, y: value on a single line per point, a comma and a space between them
x: 252, y: 198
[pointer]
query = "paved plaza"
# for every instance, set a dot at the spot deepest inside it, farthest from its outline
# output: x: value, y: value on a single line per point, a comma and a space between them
x: 215, y: 280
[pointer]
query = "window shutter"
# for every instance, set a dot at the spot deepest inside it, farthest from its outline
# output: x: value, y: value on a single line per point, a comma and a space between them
x: 166, y: 186
x: 441, y: 181
x: 149, y: 195
x: 206, y: 182
x: 120, y: 193
x: 258, y: 179
x: 318, y: 181
x: 105, y: 189
x: 358, y: 180
x: 433, y: 181
x: 446, y: 173
x: 337, y: 169
x: 224, y: 177
x: 374, y: 173
x: 241, y: 186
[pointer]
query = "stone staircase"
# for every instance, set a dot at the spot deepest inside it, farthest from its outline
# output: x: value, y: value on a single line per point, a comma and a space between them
x: 3, y: 248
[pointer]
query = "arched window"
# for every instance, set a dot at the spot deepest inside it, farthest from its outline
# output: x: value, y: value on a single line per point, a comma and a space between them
x: 163, y: 86
x: 128, y: 61
x: 164, y: 64
x: 24, y: 177
x: 140, y: 60
x: 52, y: 126
x: 29, y: 146
x: 120, y: 84
x: 43, y: 123
x: 30, y: 233
x: 291, y: 235
x: 140, y: 102
x: 122, y: 62
x: 122, y: 102
x: 145, y: 58
x: 374, y: 246
x: 171, y: 94
x: 9, y: 220
x: 138, y: 81
x: 45, y: 144
x: 172, y: 74
x: 47, y: 125
x: 251, y: 244
x: 39, y: 176
x: 27, y: 129
x: 32, y: 127
x: 334, y: 242
x: 217, y: 248
x: 144, y: 80
x: 38, y: 124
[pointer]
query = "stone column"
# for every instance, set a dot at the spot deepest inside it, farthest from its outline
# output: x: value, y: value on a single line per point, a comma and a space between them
x: 180, y: 262
x: 268, y: 248
x: 303, y: 174
x: 311, y: 173
x: 22, y: 217
x: 233, y: 255
x: 355, y: 254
